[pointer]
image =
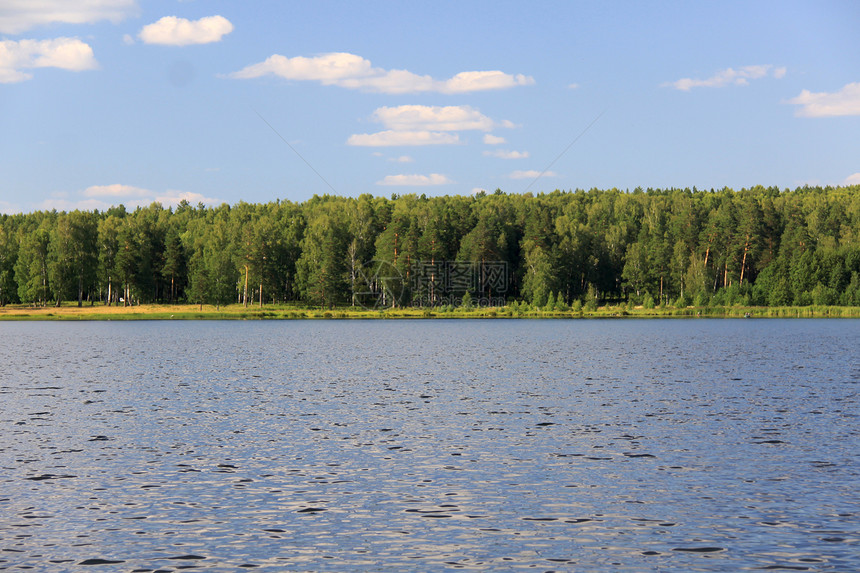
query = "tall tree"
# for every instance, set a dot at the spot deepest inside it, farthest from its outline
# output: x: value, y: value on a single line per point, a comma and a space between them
x: 322, y: 267
x: 73, y: 255
x: 31, y: 267
x: 8, y: 258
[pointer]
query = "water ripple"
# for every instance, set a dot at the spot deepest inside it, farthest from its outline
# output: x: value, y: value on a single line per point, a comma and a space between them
x: 396, y: 445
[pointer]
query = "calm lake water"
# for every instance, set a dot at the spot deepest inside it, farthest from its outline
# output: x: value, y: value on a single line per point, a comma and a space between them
x: 634, y: 445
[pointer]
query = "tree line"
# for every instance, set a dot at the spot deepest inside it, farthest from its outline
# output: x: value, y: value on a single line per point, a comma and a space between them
x: 759, y: 246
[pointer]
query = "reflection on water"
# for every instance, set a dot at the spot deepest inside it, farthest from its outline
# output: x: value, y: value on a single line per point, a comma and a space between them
x: 698, y: 445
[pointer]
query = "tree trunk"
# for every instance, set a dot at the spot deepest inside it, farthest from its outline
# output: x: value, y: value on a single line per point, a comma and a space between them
x: 744, y: 261
x: 245, y: 294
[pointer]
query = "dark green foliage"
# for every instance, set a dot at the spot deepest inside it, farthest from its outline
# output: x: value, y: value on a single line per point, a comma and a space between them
x: 8, y: 258
x: 676, y: 247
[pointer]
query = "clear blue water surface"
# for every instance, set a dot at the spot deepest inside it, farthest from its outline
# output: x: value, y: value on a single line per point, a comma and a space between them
x: 584, y: 445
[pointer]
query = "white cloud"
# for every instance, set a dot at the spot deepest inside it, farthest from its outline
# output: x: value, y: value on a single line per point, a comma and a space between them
x: 573, y: 86
x: 390, y: 138
x: 173, y: 31
x: 116, y: 190
x: 852, y: 179
x: 172, y: 198
x: 465, y: 82
x: 503, y: 154
x: 491, y: 139
x: 415, y: 180
x: 729, y: 76
x: 476, y: 190
x: 103, y: 197
x: 401, y: 159
x: 844, y: 102
x: 433, y: 118
x: 354, y: 72
x: 531, y: 174
x: 10, y: 208
x: 61, y: 204
x: 424, y: 125
x: 18, y: 16
x: 328, y: 69
x: 65, y: 53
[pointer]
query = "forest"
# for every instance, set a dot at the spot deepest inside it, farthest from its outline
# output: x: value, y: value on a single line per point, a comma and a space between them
x: 759, y: 246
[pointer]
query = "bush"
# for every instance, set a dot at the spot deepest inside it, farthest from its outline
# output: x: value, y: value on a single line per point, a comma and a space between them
x: 648, y: 301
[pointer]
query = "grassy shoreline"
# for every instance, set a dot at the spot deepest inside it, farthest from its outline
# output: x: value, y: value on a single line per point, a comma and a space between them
x: 283, y: 312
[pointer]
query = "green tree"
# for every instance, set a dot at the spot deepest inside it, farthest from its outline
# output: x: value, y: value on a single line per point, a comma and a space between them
x: 175, y: 268
x: 31, y: 267
x: 466, y: 302
x: 8, y: 258
x: 73, y: 255
x: 108, y: 248
x: 635, y: 268
x: 539, y: 278
x: 322, y: 267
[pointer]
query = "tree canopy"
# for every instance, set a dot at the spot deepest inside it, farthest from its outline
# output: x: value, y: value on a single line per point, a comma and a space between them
x: 762, y: 246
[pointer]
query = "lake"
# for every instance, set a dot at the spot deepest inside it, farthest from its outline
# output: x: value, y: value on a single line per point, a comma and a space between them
x: 565, y: 445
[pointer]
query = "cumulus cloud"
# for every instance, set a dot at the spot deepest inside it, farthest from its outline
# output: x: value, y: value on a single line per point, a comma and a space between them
x: 852, y: 179
x: 401, y: 159
x: 116, y: 190
x: 415, y: 180
x: 424, y: 125
x: 105, y: 196
x: 491, y: 139
x: 504, y: 154
x: 465, y: 82
x: 65, y: 53
x: 173, y: 31
x: 390, y: 138
x: 531, y: 174
x: 844, y: 102
x: 434, y: 118
x: 729, y: 76
x: 172, y: 198
x: 18, y: 16
x: 355, y: 72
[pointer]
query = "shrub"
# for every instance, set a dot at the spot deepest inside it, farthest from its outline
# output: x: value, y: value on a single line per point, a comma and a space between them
x: 467, y: 301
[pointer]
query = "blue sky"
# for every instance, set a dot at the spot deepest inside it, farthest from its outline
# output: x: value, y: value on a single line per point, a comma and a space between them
x: 130, y: 101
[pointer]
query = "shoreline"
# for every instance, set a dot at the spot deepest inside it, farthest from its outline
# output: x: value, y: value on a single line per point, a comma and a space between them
x: 284, y: 312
